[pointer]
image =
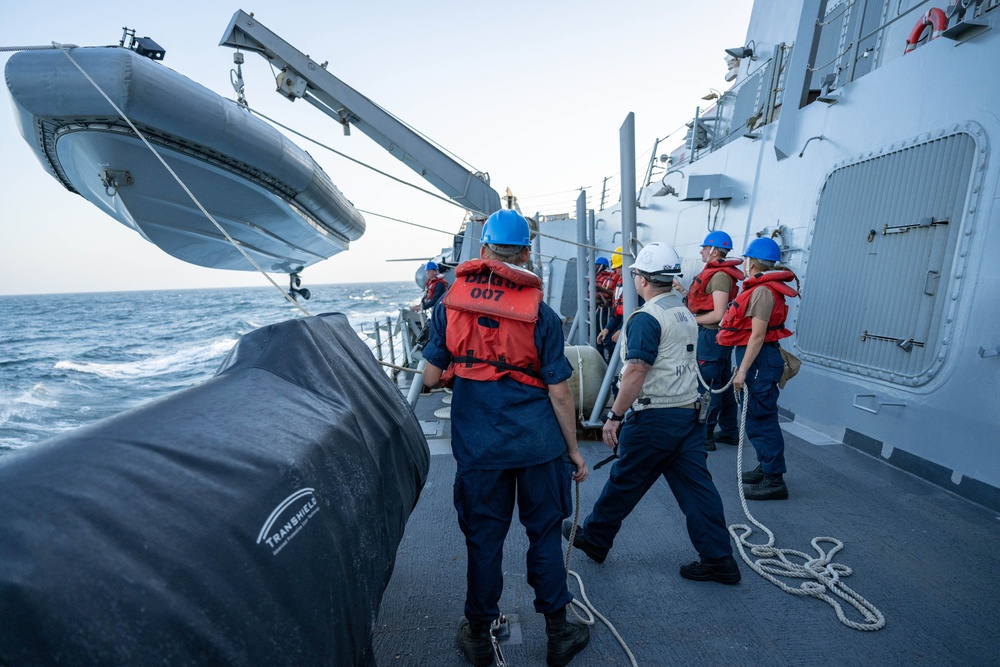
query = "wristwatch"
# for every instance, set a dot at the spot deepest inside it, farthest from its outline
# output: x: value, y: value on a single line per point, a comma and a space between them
x: 612, y: 417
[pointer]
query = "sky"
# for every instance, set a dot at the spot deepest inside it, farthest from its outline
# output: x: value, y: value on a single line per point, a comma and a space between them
x: 533, y: 93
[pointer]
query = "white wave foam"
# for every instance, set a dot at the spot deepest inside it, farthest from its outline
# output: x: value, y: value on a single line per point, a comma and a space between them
x: 155, y: 365
x: 26, y: 404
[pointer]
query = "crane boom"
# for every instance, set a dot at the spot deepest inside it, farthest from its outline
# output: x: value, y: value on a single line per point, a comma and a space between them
x: 302, y: 77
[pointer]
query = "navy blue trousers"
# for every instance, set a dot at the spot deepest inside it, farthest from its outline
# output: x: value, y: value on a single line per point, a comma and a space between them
x: 485, y: 503
x: 763, y: 429
x: 667, y: 442
x: 716, y: 365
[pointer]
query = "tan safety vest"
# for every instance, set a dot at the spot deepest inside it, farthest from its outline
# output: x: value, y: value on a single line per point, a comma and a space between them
x: 672, y: 379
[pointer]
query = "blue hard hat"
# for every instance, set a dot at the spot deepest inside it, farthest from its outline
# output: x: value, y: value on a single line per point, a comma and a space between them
x: 718, y: 240
x: 602, y: 261
x: 763, y: 248
x: 506, y: 227
x: 431, y: 266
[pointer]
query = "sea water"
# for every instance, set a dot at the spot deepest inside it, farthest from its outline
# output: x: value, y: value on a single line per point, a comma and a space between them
x: 67, y: 360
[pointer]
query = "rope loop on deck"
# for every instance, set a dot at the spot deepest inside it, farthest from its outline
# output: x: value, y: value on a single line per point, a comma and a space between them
x: 824, y: 577
x: 585, y: 605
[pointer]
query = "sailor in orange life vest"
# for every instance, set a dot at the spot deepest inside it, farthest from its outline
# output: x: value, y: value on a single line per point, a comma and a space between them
x: 436, y: 286
x: 710, y: 293
x: 605, y: 281
x: 608, y: 336
x: 661, y: 434
x: 754, y: 323
x: 513, y: 431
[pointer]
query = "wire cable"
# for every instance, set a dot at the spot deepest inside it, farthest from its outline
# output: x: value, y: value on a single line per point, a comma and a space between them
x: 355, y: 160
x: 42, y: 47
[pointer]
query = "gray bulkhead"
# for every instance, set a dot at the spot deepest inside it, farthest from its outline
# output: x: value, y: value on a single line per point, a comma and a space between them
x: 898, y: 328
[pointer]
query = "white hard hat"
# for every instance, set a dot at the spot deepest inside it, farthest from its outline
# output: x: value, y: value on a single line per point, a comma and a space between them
x: 658, y: 259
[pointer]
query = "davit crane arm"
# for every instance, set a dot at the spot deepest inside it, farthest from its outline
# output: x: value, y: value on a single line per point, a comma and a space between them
x: 301, y: 77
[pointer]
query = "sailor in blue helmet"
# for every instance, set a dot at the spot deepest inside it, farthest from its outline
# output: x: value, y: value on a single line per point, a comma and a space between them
x: 753, y: 324
x: 709, y: 295
x: 653, y: 425
x: 435, y: 287
x: 513, y: 431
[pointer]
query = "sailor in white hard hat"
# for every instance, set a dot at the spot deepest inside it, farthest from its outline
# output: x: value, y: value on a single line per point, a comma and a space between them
x: 661, y: 434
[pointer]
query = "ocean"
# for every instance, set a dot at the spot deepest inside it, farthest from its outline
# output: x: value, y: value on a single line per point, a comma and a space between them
x: 67, y: 360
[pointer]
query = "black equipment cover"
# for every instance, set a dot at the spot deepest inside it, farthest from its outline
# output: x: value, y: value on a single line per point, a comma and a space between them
x: 252, y: 519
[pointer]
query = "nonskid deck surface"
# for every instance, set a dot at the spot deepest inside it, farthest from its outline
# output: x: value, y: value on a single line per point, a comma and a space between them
x: 924, y: 557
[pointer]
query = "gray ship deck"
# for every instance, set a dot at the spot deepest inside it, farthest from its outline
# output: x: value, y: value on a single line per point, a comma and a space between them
x: 925, y: 557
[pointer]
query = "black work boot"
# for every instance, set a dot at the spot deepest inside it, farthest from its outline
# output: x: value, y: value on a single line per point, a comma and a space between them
x: 733, y: 440
x: 595, y: 554
x: 474, y: 640
x: 709, y: 444
x: 754, y: 476
x: 565, y: 639
x: 723, y: 570
x: 772, y: 487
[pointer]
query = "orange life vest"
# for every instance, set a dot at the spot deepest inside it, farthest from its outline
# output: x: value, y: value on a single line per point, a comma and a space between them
x: 619, y: 306
x: 431, y: 285
x: 605, y: 280
x: 735, y: 328
x: 700, y: 302
x: 507, y: 296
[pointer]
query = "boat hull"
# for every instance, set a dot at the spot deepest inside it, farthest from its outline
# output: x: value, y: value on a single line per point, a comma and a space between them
x: 269, y: 195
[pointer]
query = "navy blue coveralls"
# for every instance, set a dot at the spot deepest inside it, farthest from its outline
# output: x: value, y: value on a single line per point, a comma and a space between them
x: 509, y: 448
x: 716, y: 365
x: 763, y: 428
x: 658, y: 442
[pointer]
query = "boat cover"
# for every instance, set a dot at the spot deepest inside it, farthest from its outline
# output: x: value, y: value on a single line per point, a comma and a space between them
x: 250, y: 520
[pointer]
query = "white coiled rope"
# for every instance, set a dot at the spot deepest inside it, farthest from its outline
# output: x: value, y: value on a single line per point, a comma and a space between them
x: 824, y: 576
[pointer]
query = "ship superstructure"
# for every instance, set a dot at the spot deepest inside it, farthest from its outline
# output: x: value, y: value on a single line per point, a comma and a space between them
x: 859, y: 136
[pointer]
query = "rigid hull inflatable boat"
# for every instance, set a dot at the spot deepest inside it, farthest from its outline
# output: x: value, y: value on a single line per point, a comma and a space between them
x: 268, y: 194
